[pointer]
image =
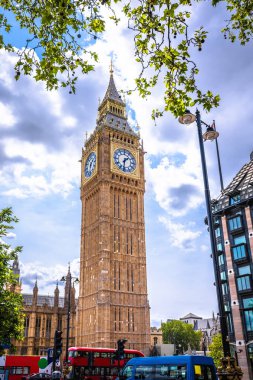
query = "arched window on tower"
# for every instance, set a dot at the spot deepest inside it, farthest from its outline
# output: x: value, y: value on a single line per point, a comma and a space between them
x: 26, y: 325
x: 37, y: 327
x: 48, y: 327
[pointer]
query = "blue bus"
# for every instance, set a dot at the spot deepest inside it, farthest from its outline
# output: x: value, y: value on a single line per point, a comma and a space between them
x: 181, y: 367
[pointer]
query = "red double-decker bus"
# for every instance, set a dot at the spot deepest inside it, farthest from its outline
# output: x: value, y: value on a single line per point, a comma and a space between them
x: 19, y: 367
x: 90, y: 363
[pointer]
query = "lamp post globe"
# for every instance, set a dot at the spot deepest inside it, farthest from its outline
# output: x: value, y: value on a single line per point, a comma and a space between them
x: 187, y: 118
x: 210, y: 134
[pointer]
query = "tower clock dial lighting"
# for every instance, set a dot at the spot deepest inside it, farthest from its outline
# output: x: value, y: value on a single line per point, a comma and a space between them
x: 90, y: 164
x: 124, y: 160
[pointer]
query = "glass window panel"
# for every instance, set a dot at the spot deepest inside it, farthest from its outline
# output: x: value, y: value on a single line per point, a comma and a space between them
x: 248, y: 302
x: 235, y: 223
x: 248, y: 314
x: 219, y: 247
x: 224, y: 288
x: 239, y: 239
x: 243, y: 283
x: 216, y: 221
x: 141, y: 372
x: 239, y: 252
x: 244, y: 270
x: 170, y: 372
x: 218, y: 232
x: 223, y: 275
x: 158, y: 372
x: 215, y: 207
x: 234, y: 199
x: 226, y: 307
x: 229, y: 322
x: 221, y: 259
x: 204, y: 372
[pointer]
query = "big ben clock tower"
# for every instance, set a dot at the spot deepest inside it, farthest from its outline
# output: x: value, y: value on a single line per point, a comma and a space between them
x: 113, y: 302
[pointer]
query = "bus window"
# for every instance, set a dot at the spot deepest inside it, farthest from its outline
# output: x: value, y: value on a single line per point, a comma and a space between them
x: 127, y: 372
x: 204, y: 372
x: 80, y: 354
x: 86, y: 371
x: 144, y: 372
x: 19, y: 370
x: 170, y: 372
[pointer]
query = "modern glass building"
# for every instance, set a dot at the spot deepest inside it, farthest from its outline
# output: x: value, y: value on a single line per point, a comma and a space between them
x: 233, y: 219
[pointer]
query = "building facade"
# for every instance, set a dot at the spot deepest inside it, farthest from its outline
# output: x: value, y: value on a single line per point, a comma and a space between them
x: 44, y: 315
x: 208, y: 326
x: 113, y: 301
x: 233, y: 218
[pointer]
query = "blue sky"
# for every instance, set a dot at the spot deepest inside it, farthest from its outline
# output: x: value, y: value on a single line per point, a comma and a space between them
x: 42, y: 134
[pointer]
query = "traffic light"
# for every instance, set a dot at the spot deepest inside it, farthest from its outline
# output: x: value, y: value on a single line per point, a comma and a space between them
x: 120, y: 352
x: 58, y: 343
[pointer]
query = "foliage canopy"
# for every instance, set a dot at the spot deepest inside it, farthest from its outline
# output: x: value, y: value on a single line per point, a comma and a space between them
x: 62, y: 33
x: 11, y: 317
x: 181, y: 334
x: 216, y: 349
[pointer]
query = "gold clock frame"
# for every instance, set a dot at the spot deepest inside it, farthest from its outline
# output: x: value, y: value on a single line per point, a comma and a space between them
x: 85, y: 157
x: 134, y: 152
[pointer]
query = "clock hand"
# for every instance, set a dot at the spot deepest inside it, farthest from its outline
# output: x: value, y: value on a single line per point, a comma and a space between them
x: 90, y: 165
x: 124, y: 160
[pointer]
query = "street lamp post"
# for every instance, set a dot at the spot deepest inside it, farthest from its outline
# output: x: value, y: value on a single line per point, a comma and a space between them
x: 75, y: 279
x: 189, y: 118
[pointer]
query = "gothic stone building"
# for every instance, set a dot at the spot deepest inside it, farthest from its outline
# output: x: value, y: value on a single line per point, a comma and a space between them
x: 113, y: 300
x: 44, y: 315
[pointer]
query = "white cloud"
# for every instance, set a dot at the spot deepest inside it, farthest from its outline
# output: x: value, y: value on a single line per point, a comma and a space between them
x: 176, y: 187
x: 11, y: 235
x: 46, y: 275
x: 7, y: 117
x: 180, y: 235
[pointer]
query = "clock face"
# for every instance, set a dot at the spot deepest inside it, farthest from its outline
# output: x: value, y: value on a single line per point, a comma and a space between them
x: 90, y: 164
x: 124, y: 160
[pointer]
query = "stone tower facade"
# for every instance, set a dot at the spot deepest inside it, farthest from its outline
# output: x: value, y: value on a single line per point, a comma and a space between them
x: 113, y: 301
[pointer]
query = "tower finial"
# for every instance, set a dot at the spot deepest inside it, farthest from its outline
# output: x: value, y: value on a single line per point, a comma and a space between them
x: 111, y: 67
x: 138, y: 128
